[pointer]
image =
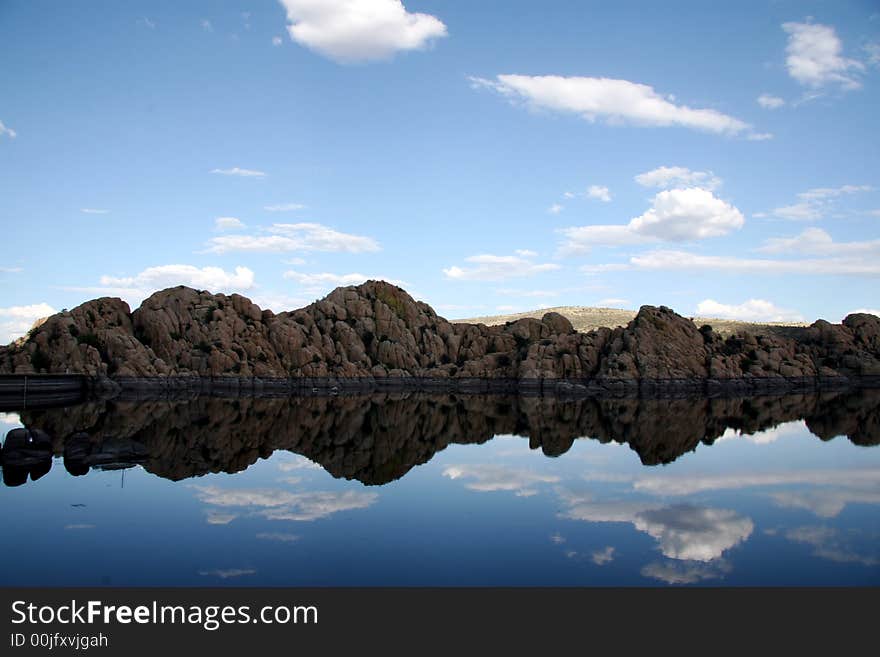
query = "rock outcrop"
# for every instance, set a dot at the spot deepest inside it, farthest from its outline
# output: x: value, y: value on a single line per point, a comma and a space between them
x: 376, y: 330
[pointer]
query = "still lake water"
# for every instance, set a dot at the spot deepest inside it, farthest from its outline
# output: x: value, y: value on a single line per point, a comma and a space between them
x: 412, y: 489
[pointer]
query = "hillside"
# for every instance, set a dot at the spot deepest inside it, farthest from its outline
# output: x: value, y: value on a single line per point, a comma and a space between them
x: 588, y: 318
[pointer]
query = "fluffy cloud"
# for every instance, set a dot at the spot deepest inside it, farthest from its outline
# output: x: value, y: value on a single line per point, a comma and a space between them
x: 134, y: 289
x: 682, y: 531
x: 319, y: 283
x: 359, y: 30
x: 827, y: 543
x: 277, y: 41
x: 556, y: 208
x: 490, y: 478
x: 9, y: 132
x: 814, y: 57
x: 666, y: 177
x: 228, y: 223
x: 599, y: 192
x: 15, y: 321
x: 236, y: 171
x: 815, y: 241
x: 770, y: 102
x: 603, y: 556
x: 280, y: 238
x: 753, y: 310
x: 616, y: 101
x: 675, y: 215
x: 489, y: 267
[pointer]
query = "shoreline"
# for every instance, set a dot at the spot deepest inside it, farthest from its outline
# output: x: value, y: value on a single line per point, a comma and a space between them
x: 48, y: 389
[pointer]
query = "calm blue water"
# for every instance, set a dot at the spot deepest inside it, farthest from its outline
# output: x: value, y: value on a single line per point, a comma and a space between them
x: 222, y: 494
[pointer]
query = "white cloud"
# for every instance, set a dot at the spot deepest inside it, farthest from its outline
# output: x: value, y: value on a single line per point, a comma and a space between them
x: 359, y: 30
x: 663, y: 260
x: 509, y: 292
x: 491, y: 478
x: 489, y: 267
x: 277, y: 504
x: 277, y: 41
x: 827, y: 543
x: 294, y: 237
x: 237, y: 171
x: 93, y: 211
x: 15, y: 321
x: 682, y: 531
x: 134, y: 289
x: 616, y: 101
x: 869, y: 311
x: 759, y: 136
x: 11, y: 270
x: 753, y: 310
x: 603, y: 556
x: 676, y: 215
x: 599, y: 192
x: 284, y: 207
x: 814, y: 57
x: 665, y: 177
x: 9, y: 132
x: 815, y: 203
x: 228, y: 223
x: 319, y: 283
x: 556, y: 208
x: 206, y: 25
x: 815, y: 241
x: 146, y: 22
x: 768, y: 101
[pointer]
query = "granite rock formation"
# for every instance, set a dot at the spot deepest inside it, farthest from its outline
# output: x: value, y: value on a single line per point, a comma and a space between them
x: 377, y: 330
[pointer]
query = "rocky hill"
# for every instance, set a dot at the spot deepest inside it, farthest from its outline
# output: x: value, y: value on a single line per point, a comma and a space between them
x: 377, y: 330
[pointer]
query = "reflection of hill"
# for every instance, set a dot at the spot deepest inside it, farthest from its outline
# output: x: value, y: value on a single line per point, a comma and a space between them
x: 377, y: 439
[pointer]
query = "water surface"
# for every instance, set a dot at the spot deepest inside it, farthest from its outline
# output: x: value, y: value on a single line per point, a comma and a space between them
x: 411, y: 489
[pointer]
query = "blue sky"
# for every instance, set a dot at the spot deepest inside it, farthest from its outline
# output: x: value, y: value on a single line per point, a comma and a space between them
x: 487, y: 156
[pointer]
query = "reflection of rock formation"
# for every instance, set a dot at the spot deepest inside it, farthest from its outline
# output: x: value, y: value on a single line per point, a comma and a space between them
x: 376, y: 439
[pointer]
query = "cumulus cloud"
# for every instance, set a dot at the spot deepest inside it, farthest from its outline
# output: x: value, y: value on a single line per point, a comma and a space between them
x: 768, y: 101
x: 489, y: 267
x: 815, y: 241
x: 9, y: 132
x: 556, y: 208
x: 752, y: 310
x: 616, y: 101
x: 490, y: 478
x: 665, y: 177
x: 359, y: 30
x: 599, y: 192
x: 814, y: 57
x: 281, y: 238
x: 675, y: 215
x: 237, y: 171
x: 134, y: 289
x: 682, y: 531
x: 228, y: 223
x: 15, y: 321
